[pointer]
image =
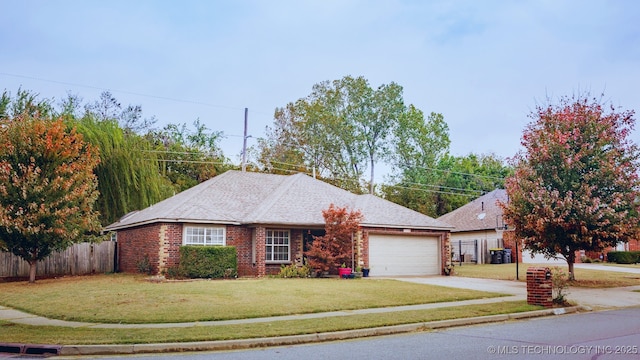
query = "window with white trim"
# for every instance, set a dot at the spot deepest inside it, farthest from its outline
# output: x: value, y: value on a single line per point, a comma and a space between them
x: 204, y: 235
x: 277, y: 246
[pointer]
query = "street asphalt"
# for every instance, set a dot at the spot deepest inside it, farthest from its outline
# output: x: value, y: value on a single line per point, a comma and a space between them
x: 586, y: 299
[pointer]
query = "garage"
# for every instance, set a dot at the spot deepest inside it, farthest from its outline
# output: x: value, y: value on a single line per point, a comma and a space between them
x: 401, y: 255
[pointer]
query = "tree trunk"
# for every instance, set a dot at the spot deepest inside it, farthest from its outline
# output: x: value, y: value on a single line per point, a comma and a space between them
x: 571, y: 259
x: 32, y: 271
x: 371, y: 179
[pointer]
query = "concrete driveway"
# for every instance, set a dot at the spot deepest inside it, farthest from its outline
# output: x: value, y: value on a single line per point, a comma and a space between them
x: 594, y: 298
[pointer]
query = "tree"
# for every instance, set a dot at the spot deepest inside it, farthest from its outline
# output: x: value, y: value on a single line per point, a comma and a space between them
x: 575, y: 186
x: 340, y: 130
x: 108, y: 108
x: 128, y: 174
x: 187, y: 157
x: 453, y: 181
x: 47, y: 187
x: 24, y: 102
x: 335, y: 248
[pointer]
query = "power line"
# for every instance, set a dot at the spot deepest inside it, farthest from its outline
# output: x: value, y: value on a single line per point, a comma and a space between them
x: 399, y: 186
x: 455, y: 172
x: 214, y: 106
x: 122, y: 91
x: 415, y: 166
x: 187, y: 161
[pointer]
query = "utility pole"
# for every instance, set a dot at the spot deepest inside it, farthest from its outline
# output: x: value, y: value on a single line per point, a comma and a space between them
x: 244, y: 141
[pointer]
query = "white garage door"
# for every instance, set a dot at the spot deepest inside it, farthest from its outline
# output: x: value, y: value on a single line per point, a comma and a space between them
x: 393, y: 255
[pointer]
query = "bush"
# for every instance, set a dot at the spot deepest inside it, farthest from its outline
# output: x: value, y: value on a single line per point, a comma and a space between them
x: 294, y: 271
x: 174, y: 272
x: 144, y: 266
x: 623, y: 257
x: 208, y: 262
x: 559, y: 285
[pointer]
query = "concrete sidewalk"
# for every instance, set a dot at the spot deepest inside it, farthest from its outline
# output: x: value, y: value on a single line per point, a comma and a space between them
x: 600, y: 267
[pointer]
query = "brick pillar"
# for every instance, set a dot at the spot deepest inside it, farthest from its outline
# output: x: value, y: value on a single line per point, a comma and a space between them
x: 447, y: 265
x: 260, y: 250
x: 358, y: 249
x: 163, y: 249
x: 539, y: 286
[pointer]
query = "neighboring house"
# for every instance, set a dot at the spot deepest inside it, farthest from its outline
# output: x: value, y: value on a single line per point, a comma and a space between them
x: 477, y: 230
x: 271, y: 219
x: 476, y: 226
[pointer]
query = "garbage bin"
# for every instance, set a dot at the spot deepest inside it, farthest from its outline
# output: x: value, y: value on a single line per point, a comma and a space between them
x: 506, y: 256
x: 496, y: 256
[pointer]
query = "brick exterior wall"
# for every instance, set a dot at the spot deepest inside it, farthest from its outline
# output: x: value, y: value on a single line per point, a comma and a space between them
x: 170, y: 242
x: 160, y: 244
x: 632, y: 245
x: 136, y: 244
x: 509, y: 241
x: 241, y: 238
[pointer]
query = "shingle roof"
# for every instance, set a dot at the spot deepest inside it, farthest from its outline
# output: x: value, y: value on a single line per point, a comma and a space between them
x: 480, y: 214
x: 236, y: 197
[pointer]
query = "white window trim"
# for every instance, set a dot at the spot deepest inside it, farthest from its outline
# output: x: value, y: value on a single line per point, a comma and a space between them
x: 205, y: 228
x: 288, y: 247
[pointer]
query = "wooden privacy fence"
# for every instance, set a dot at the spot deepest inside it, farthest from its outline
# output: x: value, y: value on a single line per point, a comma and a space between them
x: 79, y: 259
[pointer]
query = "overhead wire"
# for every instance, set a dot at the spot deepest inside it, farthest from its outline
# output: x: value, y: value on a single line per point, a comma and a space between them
x: 234, y: 135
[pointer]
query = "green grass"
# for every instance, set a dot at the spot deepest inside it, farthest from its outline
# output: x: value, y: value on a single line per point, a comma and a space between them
x: 584, y: 277
x: 121, y: 298
x: 10, y: 332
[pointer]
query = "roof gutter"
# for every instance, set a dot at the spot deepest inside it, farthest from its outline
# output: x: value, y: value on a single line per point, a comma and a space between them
x: 116, y: 226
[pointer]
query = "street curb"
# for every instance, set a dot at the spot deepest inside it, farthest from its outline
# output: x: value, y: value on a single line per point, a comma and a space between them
x: 304, y: 339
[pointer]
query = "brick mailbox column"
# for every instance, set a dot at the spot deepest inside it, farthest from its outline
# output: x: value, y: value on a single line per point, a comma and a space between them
x: 539, y: 286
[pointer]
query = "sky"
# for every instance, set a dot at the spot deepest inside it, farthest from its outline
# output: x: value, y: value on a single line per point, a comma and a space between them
x: 483, y: 65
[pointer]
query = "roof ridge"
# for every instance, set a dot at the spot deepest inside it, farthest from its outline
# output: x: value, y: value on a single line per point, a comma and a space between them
x: 268, y: 202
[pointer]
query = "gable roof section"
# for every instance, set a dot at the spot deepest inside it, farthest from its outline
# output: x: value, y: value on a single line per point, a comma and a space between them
x: 469, y: 216
x: 248, y: 198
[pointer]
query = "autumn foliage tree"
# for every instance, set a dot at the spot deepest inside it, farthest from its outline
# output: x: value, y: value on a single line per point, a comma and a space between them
x: 575, y: 185
x: 329, y: 252
x: 47, y: 187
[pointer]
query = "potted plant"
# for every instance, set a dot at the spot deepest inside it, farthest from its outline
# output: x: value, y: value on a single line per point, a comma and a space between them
x: 344, y: 271
x: 358, y: 272
x: 365, y: 272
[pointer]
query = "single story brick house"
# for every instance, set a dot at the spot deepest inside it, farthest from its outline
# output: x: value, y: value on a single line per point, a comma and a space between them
x: 271, y: 220
x: 476, y: 231
x: 475, y: 228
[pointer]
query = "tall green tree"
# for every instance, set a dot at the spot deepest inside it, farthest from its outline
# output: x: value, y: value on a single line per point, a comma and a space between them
x: 108, y: 108
x: 128, y: 174
x: 340, y: 130
x: 453, y: 181
x: 24, y: 102
x: 47, y: 187
x: 188, y: 157
x: 575, y: 185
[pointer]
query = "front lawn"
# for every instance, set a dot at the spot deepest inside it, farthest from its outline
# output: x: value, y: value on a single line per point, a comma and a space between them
x: 584, y: 277
x: 122, y: 298
x: 15, y: 333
